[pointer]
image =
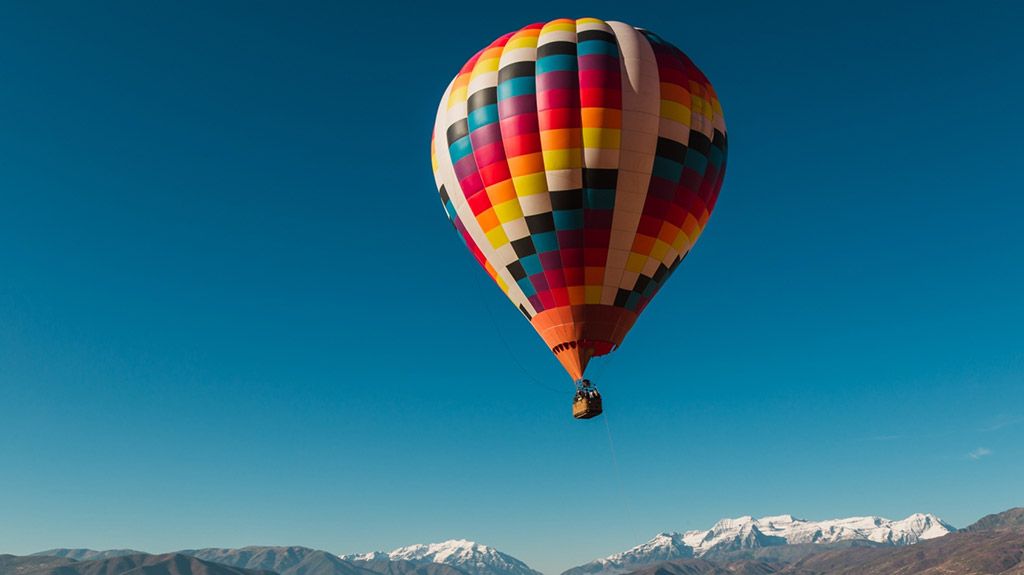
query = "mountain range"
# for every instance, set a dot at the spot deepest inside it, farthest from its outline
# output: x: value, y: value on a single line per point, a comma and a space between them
x: 918, y: 545
x: 744, y: 533
x: 469, y: 556
x: 997, y: 549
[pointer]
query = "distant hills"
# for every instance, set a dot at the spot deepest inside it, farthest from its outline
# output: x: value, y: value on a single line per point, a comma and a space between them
x: 281, y: 560
x: 402, y: 567
x: 452, y: 557
x: 1010, y: 518
x: 133, y: 564
x: 778, y: 545
x: 88, y: 554
x: 306, y: 561
x: 14, y: 565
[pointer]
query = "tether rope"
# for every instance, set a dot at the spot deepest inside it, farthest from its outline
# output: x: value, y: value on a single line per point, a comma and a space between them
x: 618, y: 480
x: 508, y: 348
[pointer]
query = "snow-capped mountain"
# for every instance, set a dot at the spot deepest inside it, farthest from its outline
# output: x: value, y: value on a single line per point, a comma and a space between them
x: 664, y: 547
x: 471, y: 557
x: 371, y: 556
x: 907, y: 531
x: 749, y: 533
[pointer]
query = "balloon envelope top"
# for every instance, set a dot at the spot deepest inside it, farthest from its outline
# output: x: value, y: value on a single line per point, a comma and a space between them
x: 579, y: 161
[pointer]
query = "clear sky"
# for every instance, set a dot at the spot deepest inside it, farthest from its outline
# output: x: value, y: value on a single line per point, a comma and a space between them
x: 232, y: 311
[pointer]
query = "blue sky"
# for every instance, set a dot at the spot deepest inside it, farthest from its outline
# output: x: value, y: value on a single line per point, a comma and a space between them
x: 232, y: 311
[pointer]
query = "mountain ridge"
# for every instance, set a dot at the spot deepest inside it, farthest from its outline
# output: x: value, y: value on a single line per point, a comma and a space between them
x: 469, y: 556
x: 995, y: 551
x: 81, y: 554
x: 746, y: 533
x: 779, y: 544
x: 142, y: 564
x: 1013, y: 517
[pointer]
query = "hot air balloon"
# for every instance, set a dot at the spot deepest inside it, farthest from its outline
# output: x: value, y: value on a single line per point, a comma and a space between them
x: 579, y: 161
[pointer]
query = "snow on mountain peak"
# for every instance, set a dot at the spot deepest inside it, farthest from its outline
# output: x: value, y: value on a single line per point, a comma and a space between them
x: 472, y: 557
x: 778, y: 519
x: 663, y: 544
x: 664, y: 547
x: 738, y: 522
x: 452, y: 552
x: 371, y: 556
x: 746, y: 532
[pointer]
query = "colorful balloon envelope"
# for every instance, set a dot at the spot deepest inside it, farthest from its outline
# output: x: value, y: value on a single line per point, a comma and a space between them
x: 579, y: 160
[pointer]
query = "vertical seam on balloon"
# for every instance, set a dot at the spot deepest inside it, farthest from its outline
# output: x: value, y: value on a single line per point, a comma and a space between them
x: 640, y: 295
x: 561, y: 164
x: 615, y: 274
x: 670, y: 55
x: 517, y: 225
x: 710, y: 100
x: 561, y: 144
x: 512, y: 118
x: 444, y: 192
x: 600, y: 140
x: 464, y: 210
x: 595, y: 171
